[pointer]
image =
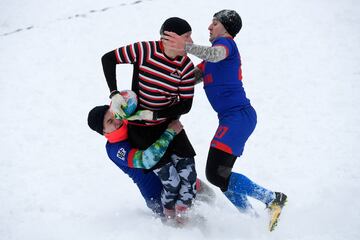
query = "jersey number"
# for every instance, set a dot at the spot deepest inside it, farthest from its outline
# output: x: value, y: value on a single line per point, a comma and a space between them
x: 221, y: 131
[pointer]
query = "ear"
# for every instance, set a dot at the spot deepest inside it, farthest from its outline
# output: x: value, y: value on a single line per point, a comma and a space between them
x: 226, y: 34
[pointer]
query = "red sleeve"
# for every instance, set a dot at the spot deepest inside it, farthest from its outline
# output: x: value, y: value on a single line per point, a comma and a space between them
x: 201, y: 66
x: 130, y: 158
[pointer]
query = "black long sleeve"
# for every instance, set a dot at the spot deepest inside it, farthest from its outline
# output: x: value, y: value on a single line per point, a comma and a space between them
x: 109, y: 66
x: 174, y: 111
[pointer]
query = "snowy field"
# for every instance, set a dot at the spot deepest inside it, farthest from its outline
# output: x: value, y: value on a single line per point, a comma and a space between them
x: 301, y: 68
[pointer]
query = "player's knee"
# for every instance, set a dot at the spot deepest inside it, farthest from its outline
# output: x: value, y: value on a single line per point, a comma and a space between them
x: 211, y: 176
x: 213, y: 179
x: 218, y: 176
x: 218, y: 168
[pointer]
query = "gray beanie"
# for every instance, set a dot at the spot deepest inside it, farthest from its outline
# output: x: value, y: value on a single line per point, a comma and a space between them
x: 231, y: 21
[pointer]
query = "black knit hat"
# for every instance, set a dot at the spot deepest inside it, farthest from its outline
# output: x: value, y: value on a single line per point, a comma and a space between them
x: 176, y: 25
x: 231, y: 21
x: 96, y: 118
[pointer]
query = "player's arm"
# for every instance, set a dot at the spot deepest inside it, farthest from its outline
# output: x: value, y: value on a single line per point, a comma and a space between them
x: 215, y: 53
x: 198, y: 72
x: 151, y: 156
x: 174, y: 111
x: 126, y: 54
x: 210, y: 54
x: 109, y: 62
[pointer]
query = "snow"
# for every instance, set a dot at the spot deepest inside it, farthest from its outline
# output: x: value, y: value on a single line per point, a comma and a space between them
x: 301, y: 72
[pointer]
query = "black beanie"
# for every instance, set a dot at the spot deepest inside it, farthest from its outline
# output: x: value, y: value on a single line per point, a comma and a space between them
x: 96, y: 118
x: 231, y: 21
x: 176, y: 25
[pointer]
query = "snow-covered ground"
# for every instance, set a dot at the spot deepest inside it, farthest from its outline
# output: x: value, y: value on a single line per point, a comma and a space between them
x: 301, y: 71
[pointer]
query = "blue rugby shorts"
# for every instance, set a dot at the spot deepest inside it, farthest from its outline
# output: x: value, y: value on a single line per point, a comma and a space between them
x: 234, y: 129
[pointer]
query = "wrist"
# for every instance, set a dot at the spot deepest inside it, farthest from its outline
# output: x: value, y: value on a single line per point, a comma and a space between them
x: 171, y: 131
x: 112, y: 93
x: 187, y: 47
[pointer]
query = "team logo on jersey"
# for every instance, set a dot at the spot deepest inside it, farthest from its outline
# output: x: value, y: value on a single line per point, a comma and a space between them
x: 121, y: 154
x: 176, y: 73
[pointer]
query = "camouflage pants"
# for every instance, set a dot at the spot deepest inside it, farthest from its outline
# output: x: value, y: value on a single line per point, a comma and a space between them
x: 179, y: 179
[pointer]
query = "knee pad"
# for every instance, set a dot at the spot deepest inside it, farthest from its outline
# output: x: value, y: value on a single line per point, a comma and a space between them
x: 218, y: 168
x: 218, y: 176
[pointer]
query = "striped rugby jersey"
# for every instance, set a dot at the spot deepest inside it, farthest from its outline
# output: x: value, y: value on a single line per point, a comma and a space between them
x: 162, y: 82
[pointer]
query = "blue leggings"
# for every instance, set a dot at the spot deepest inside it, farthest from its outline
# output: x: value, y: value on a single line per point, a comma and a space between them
x: 240, y: 187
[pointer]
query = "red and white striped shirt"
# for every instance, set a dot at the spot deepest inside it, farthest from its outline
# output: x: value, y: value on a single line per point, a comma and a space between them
x: 162, y: 82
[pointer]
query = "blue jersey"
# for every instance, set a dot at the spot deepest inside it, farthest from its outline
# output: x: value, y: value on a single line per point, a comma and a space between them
x: 225, y: 92
x: 148, y: 184
x: 223, y: 79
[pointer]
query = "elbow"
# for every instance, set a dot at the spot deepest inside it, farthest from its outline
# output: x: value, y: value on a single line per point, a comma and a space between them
x: 188, y: 105
x: 187, y: 109
x: 109, y: 58
x: 215, y: 60
x: 105, y: 59
x: 147, y: 166
x: 147, y: 161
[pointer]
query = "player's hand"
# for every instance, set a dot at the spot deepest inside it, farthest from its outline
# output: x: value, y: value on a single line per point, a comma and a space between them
x: 174, y: 42
x: 142, y: 115
x: 176, y: 126
x: 117, y: 105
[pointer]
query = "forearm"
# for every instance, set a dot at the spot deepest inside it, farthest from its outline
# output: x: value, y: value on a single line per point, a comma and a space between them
x: 198, y: 76
x: 211, y: 54
x: 152, y: 155
x: 175, y: 110
x: 109, y: 66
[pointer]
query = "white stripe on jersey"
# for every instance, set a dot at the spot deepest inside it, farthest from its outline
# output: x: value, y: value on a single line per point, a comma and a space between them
x: 156, y: 82
x: 152, y: 96
x: 187, y: 88
x: 155, y: 62
x: 188, y: 81
x: 186, y: 69
x: 117, y: 55
x: 127, y: 59
x: 152, y: 89
x: 141, y: 54
x: 183, y: 95
x: 157, y: 90
x: 132, y: 51
x: 162, y: 75
x: 152, y: 104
